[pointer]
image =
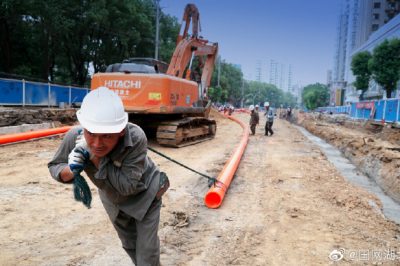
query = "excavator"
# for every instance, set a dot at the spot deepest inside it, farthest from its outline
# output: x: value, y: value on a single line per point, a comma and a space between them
x: 169, y: 101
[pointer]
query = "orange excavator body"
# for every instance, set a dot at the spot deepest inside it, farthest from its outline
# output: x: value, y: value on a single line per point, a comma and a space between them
x: 166, y: 101
x: 150, y: 93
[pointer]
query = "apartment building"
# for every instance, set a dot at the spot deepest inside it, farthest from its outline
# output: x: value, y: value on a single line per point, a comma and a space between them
x: 363, y: 24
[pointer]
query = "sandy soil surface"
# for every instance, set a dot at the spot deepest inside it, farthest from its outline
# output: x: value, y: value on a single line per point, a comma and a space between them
x: 287, y: 205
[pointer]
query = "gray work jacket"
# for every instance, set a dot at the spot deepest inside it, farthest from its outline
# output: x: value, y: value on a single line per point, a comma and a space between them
x: 270, y: 115
x: 127, y: 178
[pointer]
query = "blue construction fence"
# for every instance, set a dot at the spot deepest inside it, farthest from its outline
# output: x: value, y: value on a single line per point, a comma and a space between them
x: 387, y: 110
x: 24, y: 93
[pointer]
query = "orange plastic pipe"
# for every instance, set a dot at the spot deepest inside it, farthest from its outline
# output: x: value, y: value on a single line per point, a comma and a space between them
x: 216, y: 194
x: 11, y: 138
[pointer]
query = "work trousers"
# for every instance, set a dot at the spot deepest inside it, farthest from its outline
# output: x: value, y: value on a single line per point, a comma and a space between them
x: 268, y: 128
x: 140, y: 238
x: 253, y: 128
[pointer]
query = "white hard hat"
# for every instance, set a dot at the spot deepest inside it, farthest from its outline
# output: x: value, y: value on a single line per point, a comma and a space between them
x: 251, y: 107
x: 266, y: 104
x: 257, y: 106
x: 102, y: 111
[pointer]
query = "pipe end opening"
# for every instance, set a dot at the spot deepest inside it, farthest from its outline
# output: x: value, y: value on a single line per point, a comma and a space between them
x: 213, y: 200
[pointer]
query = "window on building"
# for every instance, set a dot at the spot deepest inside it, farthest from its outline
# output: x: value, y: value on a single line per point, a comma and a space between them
x: 375, y: 27
x: 375, y: 16
x: 377, y: 5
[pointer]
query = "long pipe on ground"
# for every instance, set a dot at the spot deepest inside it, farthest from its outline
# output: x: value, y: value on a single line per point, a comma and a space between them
x: 17, y: 137
x: 216, y: 194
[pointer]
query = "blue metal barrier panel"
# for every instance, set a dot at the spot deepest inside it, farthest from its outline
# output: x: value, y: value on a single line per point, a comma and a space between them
x: 77, y: 95
x: 36, y: 93
x: 366, y: 114
x: 59, y: 94
x: 353, y: 110
x: 391, y: 110
x: 11, y: 92
x: 379, y: 105
x: 398, y: 113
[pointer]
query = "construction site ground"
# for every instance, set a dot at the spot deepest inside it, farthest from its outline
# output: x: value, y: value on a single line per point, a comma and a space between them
x: 287, y: 205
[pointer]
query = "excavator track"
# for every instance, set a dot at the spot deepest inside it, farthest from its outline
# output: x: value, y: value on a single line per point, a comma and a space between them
x: 186, y: 131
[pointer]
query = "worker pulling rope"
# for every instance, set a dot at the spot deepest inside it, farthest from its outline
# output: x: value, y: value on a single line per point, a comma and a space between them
x: 82, y: 191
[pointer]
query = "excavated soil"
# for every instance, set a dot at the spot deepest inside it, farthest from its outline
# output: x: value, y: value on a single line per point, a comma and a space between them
x: 287, y: 205
x: 13, y: 116
x: 373, y: 148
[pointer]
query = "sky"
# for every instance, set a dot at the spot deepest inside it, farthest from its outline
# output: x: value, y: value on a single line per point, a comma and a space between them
x: 300, y: 33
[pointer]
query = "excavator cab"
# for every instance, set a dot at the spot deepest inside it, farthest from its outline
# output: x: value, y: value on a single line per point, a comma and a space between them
x: 139, y: 65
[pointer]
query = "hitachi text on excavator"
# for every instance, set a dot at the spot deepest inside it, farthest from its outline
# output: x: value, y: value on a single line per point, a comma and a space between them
x: 168, y: 101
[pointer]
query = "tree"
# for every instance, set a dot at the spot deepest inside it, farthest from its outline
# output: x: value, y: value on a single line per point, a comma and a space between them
x: 217, y: 94
x: 315, y: 95
x: 359, y: 66
x: 59, y: 39
x: 230, y: 83
x: 385, y: 65
x: 169, y: 31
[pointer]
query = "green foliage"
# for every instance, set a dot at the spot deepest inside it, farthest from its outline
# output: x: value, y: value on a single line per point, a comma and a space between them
x: 57, y: 39
x: 234, y: 89
x: 216, y: 94
x: 385, y: 65
x: 260, y: 92
x: 315, y: 95
x: 230, y: 84
x: 359, y: 66
x: 169, y: 30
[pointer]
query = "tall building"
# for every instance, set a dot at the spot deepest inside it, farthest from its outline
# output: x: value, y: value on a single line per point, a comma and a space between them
x: 341, y: 43
x: 282, y: 80
x: 273, y: 73
x: 258, y: 71
x: 358, y: 20
x: 280, y: 76
x: 289, y: 84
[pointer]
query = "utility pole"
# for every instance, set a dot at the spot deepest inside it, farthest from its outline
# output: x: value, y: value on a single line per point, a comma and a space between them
x: 241, y: 104
x: 157, y: 3
x: 219, y: 70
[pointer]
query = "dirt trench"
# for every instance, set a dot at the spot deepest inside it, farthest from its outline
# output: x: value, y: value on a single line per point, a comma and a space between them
x: 287, y: 205
x: 374, y: 149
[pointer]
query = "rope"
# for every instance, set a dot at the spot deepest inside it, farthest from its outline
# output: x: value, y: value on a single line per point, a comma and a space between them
x: 211, y: 180
x: 81, y: 190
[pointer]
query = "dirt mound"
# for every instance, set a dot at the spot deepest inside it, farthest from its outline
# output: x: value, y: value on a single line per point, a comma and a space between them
x: 373, y: 148
x: 35, y: 115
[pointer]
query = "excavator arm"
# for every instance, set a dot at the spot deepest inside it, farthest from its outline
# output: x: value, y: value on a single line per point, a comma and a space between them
x: 192, y: 14
x: 184, y: 53
x: 188, y: 47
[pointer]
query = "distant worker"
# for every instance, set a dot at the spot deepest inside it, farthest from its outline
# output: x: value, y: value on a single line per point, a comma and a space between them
x: 269, y: 114
x: 254, y: 119
x: 231, y: 110
x: 289, y: 113
x: 113, y: 153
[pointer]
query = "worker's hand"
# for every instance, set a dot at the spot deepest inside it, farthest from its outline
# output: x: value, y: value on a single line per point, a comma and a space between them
x: 80, y: 155
x: 77, y: 159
